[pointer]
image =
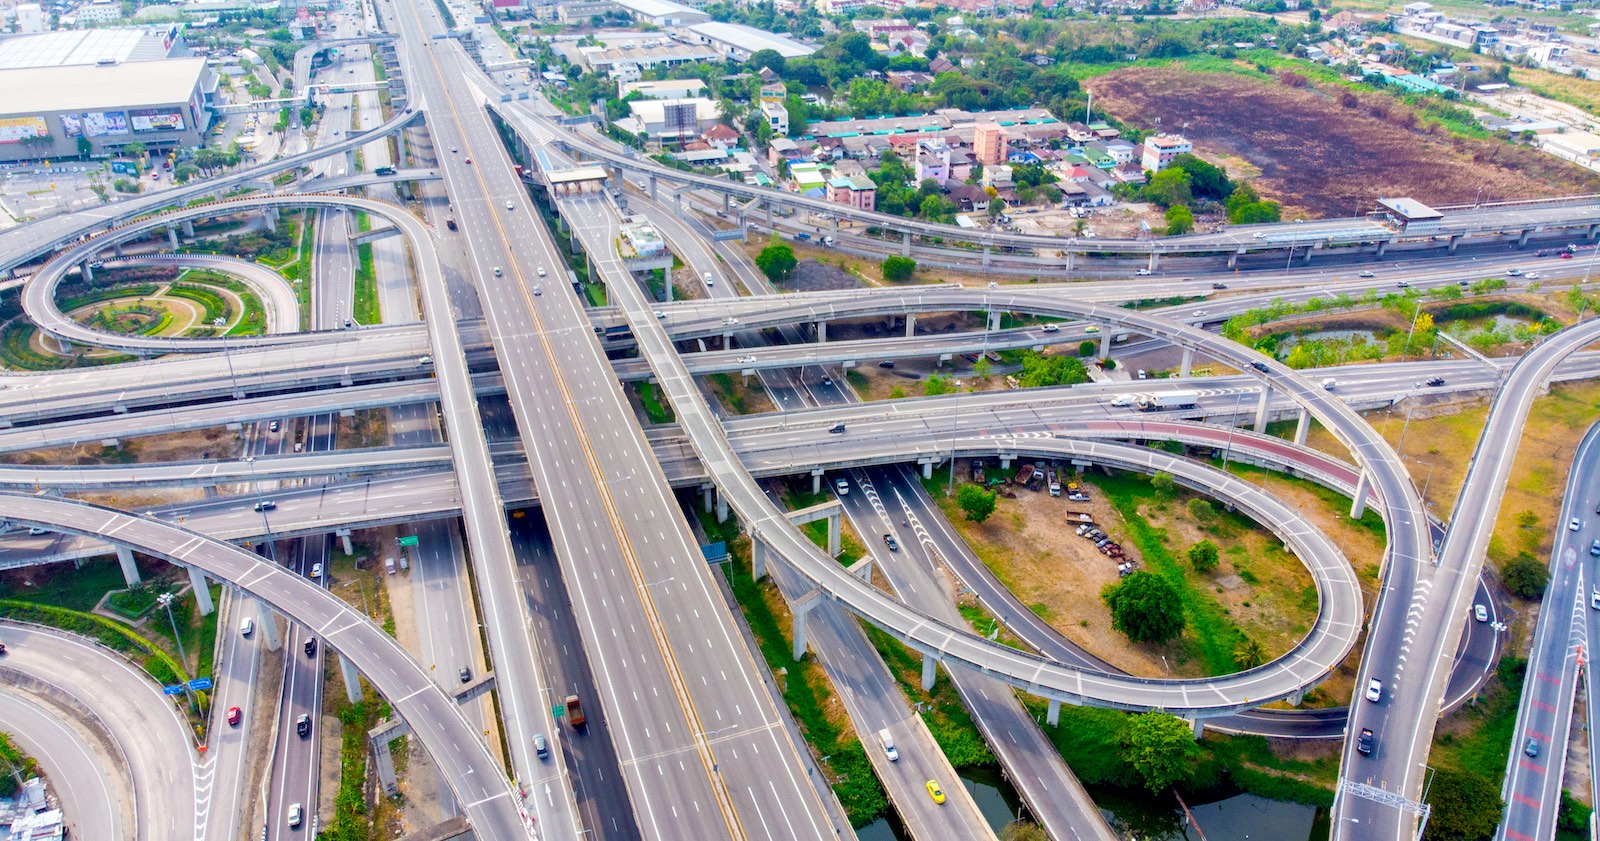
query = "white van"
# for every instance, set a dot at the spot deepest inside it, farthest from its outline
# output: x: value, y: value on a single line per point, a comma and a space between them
x: 247, y: 627
x: 888, y: 745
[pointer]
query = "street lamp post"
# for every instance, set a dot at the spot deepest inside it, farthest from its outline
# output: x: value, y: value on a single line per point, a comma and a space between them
x: 272, y: 551
x: 165, y: 600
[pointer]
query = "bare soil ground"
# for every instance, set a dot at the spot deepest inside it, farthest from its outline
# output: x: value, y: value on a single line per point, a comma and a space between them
x: 213, y: 443
x: 1329, y: 154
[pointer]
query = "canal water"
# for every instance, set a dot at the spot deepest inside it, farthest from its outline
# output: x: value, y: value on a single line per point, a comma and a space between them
x: 1224, y: 817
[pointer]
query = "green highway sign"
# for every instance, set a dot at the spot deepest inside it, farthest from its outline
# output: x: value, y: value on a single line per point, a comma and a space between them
x: 408, y: 540
x: 558, y: 710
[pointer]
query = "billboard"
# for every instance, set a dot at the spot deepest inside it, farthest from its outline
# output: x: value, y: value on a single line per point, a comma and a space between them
x: 156, y: 119
x: 72, y: 124
x: 103, y: 123
x: 18, y: 129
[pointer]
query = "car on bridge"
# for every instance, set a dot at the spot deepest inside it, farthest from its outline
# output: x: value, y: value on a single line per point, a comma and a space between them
x: 1366, y: 741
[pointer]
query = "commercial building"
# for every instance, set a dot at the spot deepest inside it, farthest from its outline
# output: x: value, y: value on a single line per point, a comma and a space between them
x: 669, y: 119
x: 100, y: 11
x: 776, y: 115
x: 46, y: 112
x: 662, y: 12
x: 628, y: 59
x: 56, y: 49
x: 1160, y: 149
x: 737, y: 43
x: 1409, y: 215
x: 662, y: 89
x: 989, y: 144
x: 30, y: 18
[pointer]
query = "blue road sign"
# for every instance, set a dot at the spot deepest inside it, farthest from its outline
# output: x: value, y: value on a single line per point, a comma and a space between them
x: 176, y: 689
x: 200, y: 684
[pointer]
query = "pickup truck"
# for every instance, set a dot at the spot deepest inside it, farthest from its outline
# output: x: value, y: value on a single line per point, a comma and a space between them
x: 575, y: 712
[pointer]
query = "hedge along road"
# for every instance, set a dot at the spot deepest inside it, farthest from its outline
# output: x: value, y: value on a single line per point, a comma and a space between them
x: 475, y: 777
x: 39, y: 294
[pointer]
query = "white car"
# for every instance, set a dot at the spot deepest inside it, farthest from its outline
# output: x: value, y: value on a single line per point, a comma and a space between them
x: 842, y: 486
x: 1142, y: 273
x: 541, y: 271
x: 1374, y: 690
x: 295, y: 813
x: 1051, y: 328
x: 1199, y: 313
x: 746, y: 360
x: 1480, y: 613
x: 1122, y: 400
x: 1532, y: 275
x: 1574, y: 524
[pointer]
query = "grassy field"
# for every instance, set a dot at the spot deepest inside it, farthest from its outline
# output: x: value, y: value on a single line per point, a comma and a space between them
x: 366, y: 309
x: 1328, y: 150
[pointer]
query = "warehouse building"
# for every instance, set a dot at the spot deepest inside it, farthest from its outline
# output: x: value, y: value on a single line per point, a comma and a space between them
x: 737, y: 42
x: 50, y: 112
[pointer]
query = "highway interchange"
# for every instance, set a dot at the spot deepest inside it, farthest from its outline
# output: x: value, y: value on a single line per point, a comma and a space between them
x: 686, y: 736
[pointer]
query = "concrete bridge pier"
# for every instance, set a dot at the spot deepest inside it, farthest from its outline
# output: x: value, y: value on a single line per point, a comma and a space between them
x: 758, y: 558
x: 202, y: 591
x: 986, y: 256
x: 1261, y: 409
x: 905, y: 244
x: 722, y: 506
x: 400, y: 149
x: 344, y: 537
x: 130, y: 569
x: 172, y: 236
x: 930, y: 671
x: 1358, y: 502
x: 1383, y: 247
x: 1594, y: 231
x: 1052, y: 712
x: 708, y: 489
x: 800, y: 611
x: 1199, y: 725
x: 744, y: 228
x: 768, y: 206
x: 1522, y: 238
x: 1455, y: 240
x: 652, y: 187
x: 1005, y: 462
x: 833, y: 227
x: 727, y: 202
x: 1155, y: 260
x: 1105, y: 344
x: 821, y: 328
x: 188, y: 228
x: 116, y: 249
x: 927, y: 466
x: 270, y: 214
x: 1187, y: 363
x: 677, y: 204
x: 87, y: 271
x: 816, y: 480
x: 1233, y: 259
x: 267, y: 625
x: 994, y: 320
x: 1302, y: 426
x: 352, y: 680
x: 911, y: 324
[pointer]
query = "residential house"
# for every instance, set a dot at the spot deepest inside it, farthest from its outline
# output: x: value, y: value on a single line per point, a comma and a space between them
x: 940, y: 64
x: 1098, y: 156
x: 847, y: 168
x: 1079, y: 133
x: 1129, y: 173
x: 858, y: 191
x: 1161, y: 149
x: 933, y: 163
x: 1121, y: 151
x: 1103, y: 131
x: 808, y: 178
x: 969, y: 197
x: 998, y: 177
x: 784, y: 149
x: 721, y: 137
x: 776, y: 116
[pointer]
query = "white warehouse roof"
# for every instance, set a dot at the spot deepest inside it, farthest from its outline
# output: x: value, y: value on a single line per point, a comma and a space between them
x: 55, y: 49
x: 662, y: 10
x: 44, y: 90
x: 750, y: 39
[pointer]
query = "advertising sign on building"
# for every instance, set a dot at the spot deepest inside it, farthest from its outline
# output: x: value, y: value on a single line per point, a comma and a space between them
x: 103, y: 123
x: 18, y: 129
x: 156, y: 119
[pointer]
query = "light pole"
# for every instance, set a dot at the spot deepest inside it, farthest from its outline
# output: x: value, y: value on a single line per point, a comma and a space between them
x: 272, y: 551
x: 165, y: 600
x: 1233, y: 423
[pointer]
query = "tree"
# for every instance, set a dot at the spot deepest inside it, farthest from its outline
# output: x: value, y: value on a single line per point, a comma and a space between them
x: 1160, y: 747
x: 1086, y: 348
x: 1203, y: 556
x: 898, y: 269
x: 1465, y: 805
x: 1169, y: 187
x: 1162, y: 482
x: 1023, y: 831
x: 1145, y: 608
x: 1207, y: 181
x: 1248, y: 654
x: 776, y: 261
x: 134, y: 149
x: 976, y: 502
x: 1040, y: 371
x: 1525, y: 576
x: 1180, y: 220
x: 84, y: 147
x: 184, y: 172
x: 938, y: 384
x: 770, y: 59
x: 982, y: 368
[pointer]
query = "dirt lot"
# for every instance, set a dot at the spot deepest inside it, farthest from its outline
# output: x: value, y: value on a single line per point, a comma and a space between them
x: 213, y: 443
x: 1326, y: 157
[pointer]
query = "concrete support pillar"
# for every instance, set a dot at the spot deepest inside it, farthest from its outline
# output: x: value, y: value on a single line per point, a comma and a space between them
x: 1594, y: 231
x: 652, y: 187
x: 116, y: 249
x: 172, y: 236
x: 1383, y: 248
x: 994, y: 320
x: 1307, y: 258
x: 768, y: 206
x: 708, y: 490
x: 1233, y: 260
x: 1296, y: 699
x: 349, y: 549
x: 1302, y: 426
x: 188, y: 228
x: 400, y: 150
x: 350, y: 161
x: 722, y: 506
x: 270, y: 214
x: 834, y: 528
x: 267, y: 626
x: 822, y: 331
x: 88, y: 273
x: 677, y: 204
x: 1155, y: 260
x: 1455, y: 240
x: 727, y: 202
x: 911, y: 324
x: 1105, y: 344
x: 833, y: 227
x: 927, y: 470
x: 1070, y: 255
x: 666, y: 285
x: 930, y: 670
x: 1005, y: 462
x: 383, y: 761
x: 1199, y: 725
x: 130, y: 569
x: 1052, y: 713
x: 816, y: 481
x: 202, y: 591
x: 800, y: 612
x: 1358, y: 503
x: 1187, y: 363
x: 905, y: 244
x: 986, y: 256
x: 758, y: 558
x: 352, y: 679
x: 1522, y: 239
x: 1261, y: 408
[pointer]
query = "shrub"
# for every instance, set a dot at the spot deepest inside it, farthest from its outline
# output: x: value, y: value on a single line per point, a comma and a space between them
x: 1145, y: 607
x: 1203, y: 556
x: 1525, y: 576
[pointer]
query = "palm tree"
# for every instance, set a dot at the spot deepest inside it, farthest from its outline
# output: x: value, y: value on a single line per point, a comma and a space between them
x: 1248, y: 653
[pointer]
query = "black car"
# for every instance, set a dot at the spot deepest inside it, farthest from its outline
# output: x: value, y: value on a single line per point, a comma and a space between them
x: 1436, y: 381
x: 889, y: 541
x: 311, y: 646
x: 1259, y: 366
x: 1366, y: 742
x: 887, y: 363
x: 466, y: 675
x: 1219, y: 286
x: 1531, y: 748
x: 302, y: 725
x: 837, y: 429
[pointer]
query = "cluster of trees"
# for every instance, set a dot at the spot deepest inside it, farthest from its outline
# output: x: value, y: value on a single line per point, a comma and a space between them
x: 926, y: 201
x: 898, y: 269
x: 776, y: 261
x: 1145, y: 607
x: 1034, y: 183
x: 1190, y: 181
x: 1039, y: 370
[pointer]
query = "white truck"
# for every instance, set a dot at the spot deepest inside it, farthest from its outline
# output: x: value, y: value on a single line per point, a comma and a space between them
x: 1168, y: 400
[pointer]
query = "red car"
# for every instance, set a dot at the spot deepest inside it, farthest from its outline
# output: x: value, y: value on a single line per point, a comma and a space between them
x: 1566, y: 255
x: 235, y: 716
x: 469, y: 160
